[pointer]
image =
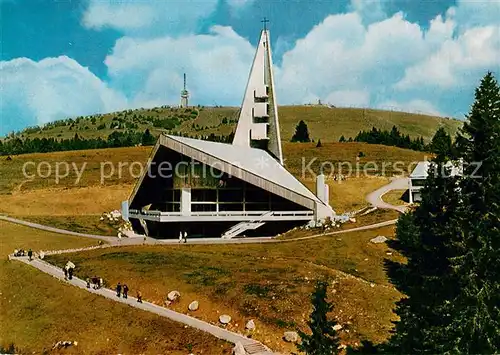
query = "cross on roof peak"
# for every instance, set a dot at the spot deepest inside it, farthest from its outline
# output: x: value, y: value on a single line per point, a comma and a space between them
x: 265, y: 21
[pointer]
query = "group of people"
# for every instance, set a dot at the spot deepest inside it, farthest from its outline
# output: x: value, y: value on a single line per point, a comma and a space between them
x: 123, y: 290
x: 68, y: 270
x: 95, y: 282
x: 183, y: 237
x: 23, y: 252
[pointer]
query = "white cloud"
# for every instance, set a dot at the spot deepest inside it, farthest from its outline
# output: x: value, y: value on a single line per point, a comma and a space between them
x: 369, y: 10
x: 124, y: 17
x: 415, y: 106
x: 53, y: 88
x: 238, y: 4
x: 217, y: 67
x: 145, y: 17
x: 344, y: 60
x: 347, y: 98
x: 475, y: 13
x: 476, y: 50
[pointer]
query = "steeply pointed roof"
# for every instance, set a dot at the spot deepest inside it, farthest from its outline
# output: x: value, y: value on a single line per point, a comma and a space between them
x: 258, y: 124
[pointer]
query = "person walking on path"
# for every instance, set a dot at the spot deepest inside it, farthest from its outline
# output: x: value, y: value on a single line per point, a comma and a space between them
x: 118, y: 289
x: 65, y: 269
x: 88, y: 282
x: 95, y: 282
x: 139, y: 296
x: 101, y: 283
x: 30, y: 254
x: 180, y: 237
x: 70, y: 273
x: 185, y: 237
x: 125, y: 291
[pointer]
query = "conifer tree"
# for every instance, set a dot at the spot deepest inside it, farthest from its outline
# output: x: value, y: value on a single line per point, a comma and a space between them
x: 476, y: 323
x: 324, y: 339
x: 301, y: 133
x: 441, y: 143
x: 147, y: 138
x: 424, y: 237
x: 452, y: 242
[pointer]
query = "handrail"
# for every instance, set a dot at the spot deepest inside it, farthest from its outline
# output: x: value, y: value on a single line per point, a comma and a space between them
x: 261, y: 214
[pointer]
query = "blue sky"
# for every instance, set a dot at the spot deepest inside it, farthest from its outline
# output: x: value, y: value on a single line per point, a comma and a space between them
x: 61, y: 58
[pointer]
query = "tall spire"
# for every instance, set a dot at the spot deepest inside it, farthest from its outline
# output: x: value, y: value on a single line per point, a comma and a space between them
x: 265, y: 21
x: 258, y: 124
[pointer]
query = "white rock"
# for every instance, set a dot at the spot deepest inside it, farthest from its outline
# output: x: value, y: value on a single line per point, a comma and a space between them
x: 342, y: 346
x: 173, y: 295
x: 352, y: 219
x: 379, y: 239
x: 193, y: 306
x: 250, y: 325
x: 239, y: 349
x: 102, y: 218
x: 372, y: 285
x: 337, y: 327
x: 291, y: 337
x: 224, y: 319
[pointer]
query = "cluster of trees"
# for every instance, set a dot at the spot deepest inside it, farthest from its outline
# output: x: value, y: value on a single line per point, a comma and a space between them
x: 44, y: 145
x: 392, y: 138
x: 124, y: 120
x: 451, y: 242
x: 116, y: 139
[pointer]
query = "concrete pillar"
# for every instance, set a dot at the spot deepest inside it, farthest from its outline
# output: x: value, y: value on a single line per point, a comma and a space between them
x: 410, y: 193
x: 125, y: 210
x: 186, y: 201
x: 320, y: 187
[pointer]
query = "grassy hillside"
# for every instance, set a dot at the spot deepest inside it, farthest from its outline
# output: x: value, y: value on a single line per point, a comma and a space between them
x: 87, y: 197
x: 324, y: 123
x: 36, y: 310
x: 270, y: 283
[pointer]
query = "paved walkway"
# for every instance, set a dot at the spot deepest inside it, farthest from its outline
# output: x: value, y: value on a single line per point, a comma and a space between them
x: 110, y: 240
x: 375, y: 198
x: 114, y: 241
x: 251, y: 346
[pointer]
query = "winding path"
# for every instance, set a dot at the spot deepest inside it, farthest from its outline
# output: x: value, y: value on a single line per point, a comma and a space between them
x: 251, y: 346
x: 375, y: 197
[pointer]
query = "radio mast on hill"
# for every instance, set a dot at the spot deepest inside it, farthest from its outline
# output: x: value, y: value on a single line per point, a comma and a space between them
x: 184, y: 95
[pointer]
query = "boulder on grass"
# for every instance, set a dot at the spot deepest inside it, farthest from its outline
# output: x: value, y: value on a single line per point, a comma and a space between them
x: 379, y: 239
x: 193, y: 306
x: 173, y: 295
x: 224, y: 319
x: 291, y: 337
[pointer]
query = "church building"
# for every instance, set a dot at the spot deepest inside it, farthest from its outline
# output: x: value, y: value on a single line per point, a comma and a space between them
x: 210, y: 189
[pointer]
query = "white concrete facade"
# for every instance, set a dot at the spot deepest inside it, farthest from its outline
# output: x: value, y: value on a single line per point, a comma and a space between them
x: 258, y: 120
x: 254, y: 158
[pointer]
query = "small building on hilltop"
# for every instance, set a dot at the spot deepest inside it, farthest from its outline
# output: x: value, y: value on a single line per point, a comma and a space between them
x: 210, y: 189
